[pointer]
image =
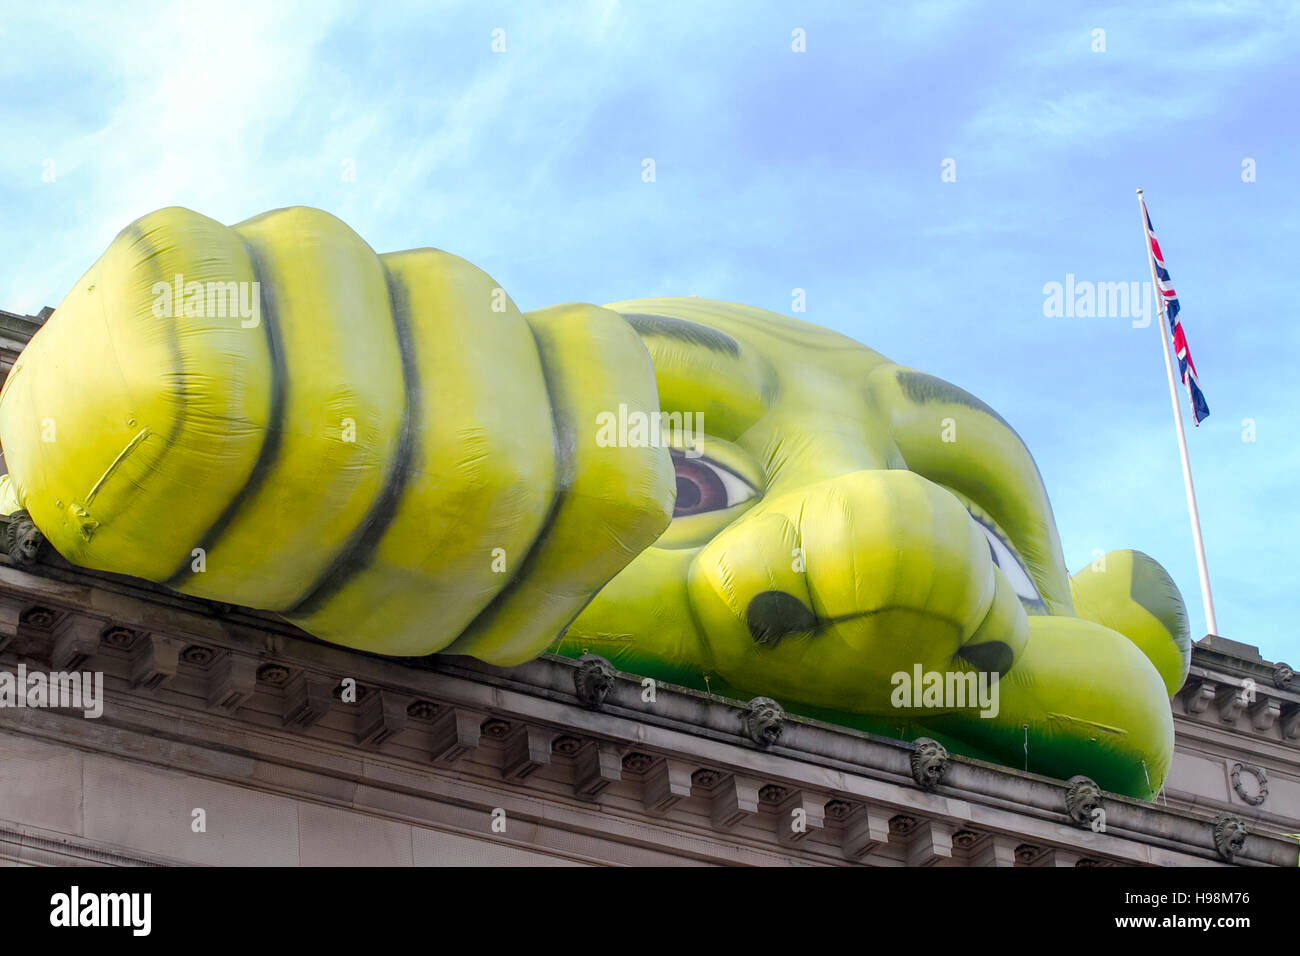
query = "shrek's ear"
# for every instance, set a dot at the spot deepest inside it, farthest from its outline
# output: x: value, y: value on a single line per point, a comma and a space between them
x: 1129, y: 592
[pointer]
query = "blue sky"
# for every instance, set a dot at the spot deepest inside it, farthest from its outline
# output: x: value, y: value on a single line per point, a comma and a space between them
x: 774, y: 170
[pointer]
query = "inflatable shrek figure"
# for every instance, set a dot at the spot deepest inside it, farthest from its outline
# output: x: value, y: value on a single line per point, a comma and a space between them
x: 385, y: 451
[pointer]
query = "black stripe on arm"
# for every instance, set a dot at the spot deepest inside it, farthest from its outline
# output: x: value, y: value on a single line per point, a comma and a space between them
x: 562, y: 444
x: 272, y: 439
x: 138, y: 237
x: 360, y: 547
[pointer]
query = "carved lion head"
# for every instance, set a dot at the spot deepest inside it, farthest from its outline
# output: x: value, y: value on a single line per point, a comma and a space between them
x: 1229, y: 835
x: 764, y: 720
x: 1081, y: 799
x: 929, y: 761
x: 23, y: 539
x: 593, y: 680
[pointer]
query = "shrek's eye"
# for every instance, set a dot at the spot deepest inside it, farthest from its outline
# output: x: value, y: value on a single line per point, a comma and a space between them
x: 1010, y: 566
x: 704, y: 485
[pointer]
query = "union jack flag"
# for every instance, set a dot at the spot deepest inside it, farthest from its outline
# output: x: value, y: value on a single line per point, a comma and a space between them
x: 1165, y: 289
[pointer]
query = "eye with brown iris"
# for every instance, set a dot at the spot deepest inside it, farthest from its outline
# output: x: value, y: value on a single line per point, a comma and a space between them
x: 704, y: 485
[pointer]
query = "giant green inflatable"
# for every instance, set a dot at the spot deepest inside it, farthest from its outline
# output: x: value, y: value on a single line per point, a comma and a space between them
x: 385, y: 451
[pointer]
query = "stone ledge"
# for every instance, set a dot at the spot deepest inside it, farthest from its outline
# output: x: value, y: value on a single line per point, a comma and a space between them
x: 230, y: 691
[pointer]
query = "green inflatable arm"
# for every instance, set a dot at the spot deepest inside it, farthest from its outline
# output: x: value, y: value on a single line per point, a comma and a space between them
x: 385, y: 451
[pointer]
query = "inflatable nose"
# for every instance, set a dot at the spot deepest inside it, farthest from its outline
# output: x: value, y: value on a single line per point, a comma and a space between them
x: 860, y: 576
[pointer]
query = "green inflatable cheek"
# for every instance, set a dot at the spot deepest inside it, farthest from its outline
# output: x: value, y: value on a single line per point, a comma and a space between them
x: 641, y: 622
x: 1083, y: 700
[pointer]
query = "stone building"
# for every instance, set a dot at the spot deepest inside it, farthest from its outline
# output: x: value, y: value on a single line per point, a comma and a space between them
x: 229, y: 737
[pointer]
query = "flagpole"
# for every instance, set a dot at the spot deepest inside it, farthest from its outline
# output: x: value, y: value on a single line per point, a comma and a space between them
x: 1211, y: 625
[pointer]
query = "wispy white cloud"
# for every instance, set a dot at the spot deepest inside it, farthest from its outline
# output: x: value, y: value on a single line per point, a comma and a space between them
x: 1056, y: 93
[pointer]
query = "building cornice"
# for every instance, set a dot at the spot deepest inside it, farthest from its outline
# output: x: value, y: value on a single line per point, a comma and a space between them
x: 16, y: 331
x: 243, y: 697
